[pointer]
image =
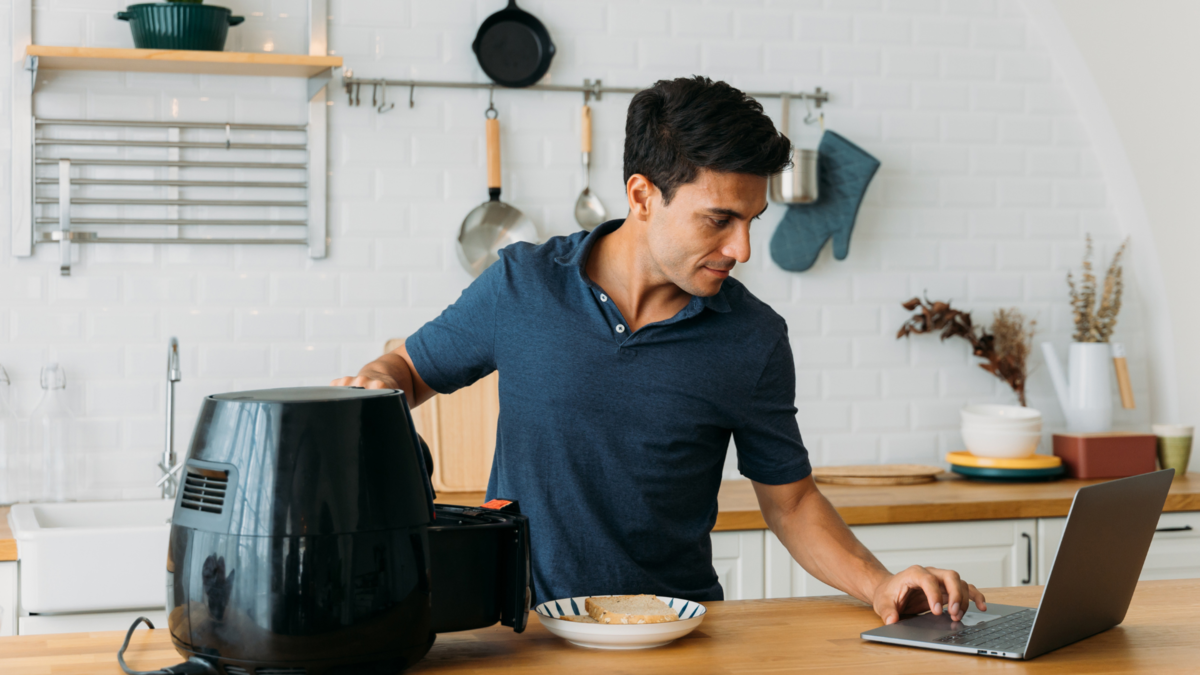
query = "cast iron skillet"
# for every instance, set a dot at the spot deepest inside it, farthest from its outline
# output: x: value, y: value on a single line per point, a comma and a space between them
x: 513, y: 47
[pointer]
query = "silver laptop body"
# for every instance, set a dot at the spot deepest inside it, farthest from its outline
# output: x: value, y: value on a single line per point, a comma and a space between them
x: 1108, y: 532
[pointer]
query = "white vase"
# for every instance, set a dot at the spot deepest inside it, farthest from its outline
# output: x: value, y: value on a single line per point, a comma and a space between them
x: 1086, y: 395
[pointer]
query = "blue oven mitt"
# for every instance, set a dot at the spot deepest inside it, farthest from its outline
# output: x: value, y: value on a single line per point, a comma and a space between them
x: 844, y: 171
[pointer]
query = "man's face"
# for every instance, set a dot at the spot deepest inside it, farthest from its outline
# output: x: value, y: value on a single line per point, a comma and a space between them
x: 705, y: 230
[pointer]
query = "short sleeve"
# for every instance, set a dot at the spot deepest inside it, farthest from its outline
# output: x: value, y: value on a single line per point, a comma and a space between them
x: 769, y: 448
x: 458, y: 347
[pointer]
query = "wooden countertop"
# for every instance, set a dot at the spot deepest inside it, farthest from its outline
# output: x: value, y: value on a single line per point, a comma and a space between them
x: 949, y: 498
x: 1160, y: 634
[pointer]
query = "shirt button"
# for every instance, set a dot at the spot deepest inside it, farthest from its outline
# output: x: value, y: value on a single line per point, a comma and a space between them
x: 603, y: 298
x: 620, y: 328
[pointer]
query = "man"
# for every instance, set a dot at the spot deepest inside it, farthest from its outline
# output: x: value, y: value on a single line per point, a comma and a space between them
x: 628, y: 358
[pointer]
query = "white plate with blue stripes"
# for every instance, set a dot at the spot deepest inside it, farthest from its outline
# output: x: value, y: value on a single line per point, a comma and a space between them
x: 618, y: 636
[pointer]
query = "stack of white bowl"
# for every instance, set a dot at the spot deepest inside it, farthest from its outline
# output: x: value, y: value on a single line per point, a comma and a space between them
x: 1008, y: 431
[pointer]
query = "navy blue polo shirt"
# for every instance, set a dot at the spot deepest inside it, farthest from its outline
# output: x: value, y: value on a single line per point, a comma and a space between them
x: 612, y: 440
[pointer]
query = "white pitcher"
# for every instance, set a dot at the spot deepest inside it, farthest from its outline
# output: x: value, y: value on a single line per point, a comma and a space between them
x: 1086, y: 398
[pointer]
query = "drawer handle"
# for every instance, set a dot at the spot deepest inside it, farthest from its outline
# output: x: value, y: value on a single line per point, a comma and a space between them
x: 1185, y: 528
x: 1028, y: 558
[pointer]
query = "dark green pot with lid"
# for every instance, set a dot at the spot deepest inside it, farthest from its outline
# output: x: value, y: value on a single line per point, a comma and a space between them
x: 179, y: 25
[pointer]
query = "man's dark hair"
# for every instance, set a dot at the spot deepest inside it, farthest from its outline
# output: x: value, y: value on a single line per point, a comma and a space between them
x: 678, y: 127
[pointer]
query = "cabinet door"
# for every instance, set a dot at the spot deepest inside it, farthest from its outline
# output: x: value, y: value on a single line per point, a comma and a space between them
x: 738, y: 560
x: 1174, y: 553
x: 8, y: 598
x: 987, y: 553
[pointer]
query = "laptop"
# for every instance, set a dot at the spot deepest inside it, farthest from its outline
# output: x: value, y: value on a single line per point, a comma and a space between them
x: 1104, y: 544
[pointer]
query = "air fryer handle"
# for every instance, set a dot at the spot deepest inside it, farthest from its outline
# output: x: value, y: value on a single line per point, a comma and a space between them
x: 514, y: 609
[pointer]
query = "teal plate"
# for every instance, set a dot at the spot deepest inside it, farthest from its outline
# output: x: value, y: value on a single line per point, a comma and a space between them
x: 1009, y: 475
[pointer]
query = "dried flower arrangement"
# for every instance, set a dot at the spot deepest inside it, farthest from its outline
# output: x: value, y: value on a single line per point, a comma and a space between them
x: 1092, y: 323
x: 1005, y: 349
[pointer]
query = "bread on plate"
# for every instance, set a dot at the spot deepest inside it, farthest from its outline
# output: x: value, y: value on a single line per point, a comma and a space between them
x: 629, y: 609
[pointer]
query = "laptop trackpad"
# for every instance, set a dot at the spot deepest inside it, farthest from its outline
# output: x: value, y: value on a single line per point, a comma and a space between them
x: 973, y: 617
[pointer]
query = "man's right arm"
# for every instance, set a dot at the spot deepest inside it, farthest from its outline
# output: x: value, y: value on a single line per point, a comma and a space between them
x: 394, y: 370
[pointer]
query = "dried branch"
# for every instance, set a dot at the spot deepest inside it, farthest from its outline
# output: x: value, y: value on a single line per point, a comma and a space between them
x: 1006, y: 350
x: 1013, y: 344
x: 1094, y: 324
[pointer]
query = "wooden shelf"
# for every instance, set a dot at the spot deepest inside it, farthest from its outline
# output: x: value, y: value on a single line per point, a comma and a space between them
x: 181, y: 61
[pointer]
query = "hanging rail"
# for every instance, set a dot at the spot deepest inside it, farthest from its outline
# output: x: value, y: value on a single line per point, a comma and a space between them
x: 590, y: 89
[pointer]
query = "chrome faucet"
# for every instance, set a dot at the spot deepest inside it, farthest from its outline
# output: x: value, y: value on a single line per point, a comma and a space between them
x: 169, y: 482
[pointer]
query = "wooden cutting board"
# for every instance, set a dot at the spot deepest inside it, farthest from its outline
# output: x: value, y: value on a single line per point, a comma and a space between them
x: 876, y: 474
x: 460, y: 429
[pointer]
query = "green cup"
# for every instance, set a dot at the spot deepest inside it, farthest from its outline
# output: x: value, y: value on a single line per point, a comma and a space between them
x: 1174, y: 446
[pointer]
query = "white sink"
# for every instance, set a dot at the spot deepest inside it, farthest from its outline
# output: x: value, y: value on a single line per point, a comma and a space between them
x: 92, y: 556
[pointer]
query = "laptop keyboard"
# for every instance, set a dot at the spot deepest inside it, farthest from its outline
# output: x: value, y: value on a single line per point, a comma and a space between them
x: 1006, y: 634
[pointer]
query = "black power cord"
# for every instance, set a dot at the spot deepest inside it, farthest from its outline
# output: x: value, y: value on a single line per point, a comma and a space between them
x: 193, y: 666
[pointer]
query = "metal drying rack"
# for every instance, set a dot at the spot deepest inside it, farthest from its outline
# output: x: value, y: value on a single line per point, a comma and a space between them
x: 591, y: 89
x: 166, y: 179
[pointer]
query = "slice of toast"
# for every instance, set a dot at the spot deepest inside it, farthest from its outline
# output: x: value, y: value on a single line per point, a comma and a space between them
x: 578, y: 618
x: 630, y: 609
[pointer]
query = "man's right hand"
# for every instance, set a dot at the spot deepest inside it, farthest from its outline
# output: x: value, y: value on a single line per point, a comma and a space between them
x: 393, y: 370
x: 367, y: 380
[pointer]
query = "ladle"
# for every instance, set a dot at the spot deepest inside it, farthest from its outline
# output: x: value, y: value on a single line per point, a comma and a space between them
x: 589, y: 211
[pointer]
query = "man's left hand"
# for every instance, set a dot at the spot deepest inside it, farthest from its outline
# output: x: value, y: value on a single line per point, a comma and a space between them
x: 917, y: 589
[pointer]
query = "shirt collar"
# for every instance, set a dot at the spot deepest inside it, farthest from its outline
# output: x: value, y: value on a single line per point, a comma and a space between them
x: 577, y: 258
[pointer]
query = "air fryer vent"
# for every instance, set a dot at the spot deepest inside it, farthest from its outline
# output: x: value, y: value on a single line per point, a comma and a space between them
x: 204, y: 490
x: 236, y: 670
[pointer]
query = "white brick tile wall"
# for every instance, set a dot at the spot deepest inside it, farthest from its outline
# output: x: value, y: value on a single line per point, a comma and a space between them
x: 987, y: 186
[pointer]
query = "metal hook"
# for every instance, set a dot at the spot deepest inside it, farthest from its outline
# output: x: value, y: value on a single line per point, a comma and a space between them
x: 228, y: 136
x: 350, y: 92
x: 411, y: 89
x: 375, y: 95
x: 357, y: 94
x: 383, y: 104
x: 808, y: 112
x: 491, y: 113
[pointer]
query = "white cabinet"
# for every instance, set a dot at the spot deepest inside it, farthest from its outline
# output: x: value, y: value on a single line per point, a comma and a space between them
x: 8, y: 598
x: 738, y: 560
x: 1174, y: 552
x: 986, y: 553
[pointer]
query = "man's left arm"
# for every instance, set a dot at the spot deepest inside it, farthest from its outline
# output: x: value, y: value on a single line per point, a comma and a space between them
x: 817, y: 537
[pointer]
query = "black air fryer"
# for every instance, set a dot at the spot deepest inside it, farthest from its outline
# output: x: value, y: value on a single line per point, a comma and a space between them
x: 305, y: 540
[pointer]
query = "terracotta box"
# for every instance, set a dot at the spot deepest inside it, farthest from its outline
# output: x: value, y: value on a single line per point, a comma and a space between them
x: 1107, y: 455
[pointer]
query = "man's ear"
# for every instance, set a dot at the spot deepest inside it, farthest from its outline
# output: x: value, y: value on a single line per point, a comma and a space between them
x: 642, y: 196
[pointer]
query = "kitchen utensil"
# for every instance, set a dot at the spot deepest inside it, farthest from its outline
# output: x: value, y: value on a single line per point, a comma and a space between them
x: 876, y: 474
x: 493, y: 224
x: 1008, y: 475
x: 1112, y: 454
x: 1174, y: 445
x: 845, y: 173
x: 1086, y: 396
x: 796, y: 184
x: 1124, y: 384
x: 589, y: 212
x: 1033, y: 462
x: 179, y: 25
x: 301, y: 535
x: 618, y: 636
x: 513, y: 47
x: 1001, y: 443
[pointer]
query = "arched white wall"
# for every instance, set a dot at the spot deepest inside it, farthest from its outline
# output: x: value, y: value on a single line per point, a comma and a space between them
x: 1126, y: 67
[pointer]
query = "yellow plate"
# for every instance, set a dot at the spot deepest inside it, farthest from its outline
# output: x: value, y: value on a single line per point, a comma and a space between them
x: 1035, y: 462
